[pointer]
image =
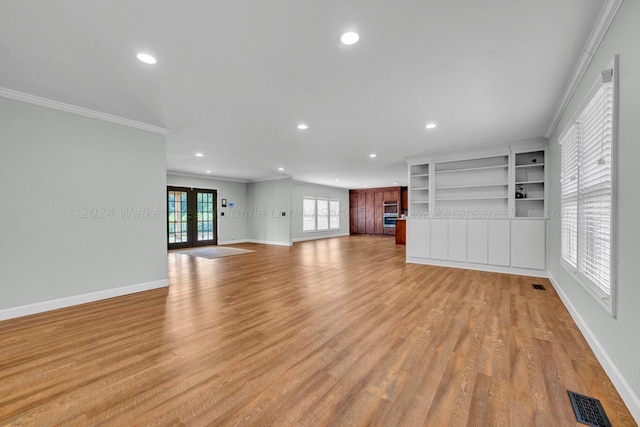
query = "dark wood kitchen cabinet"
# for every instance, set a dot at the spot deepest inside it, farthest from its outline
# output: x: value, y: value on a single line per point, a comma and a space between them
x: 367, y: 208
x: 401, y: 232
x: 404, y: 200
x: 361, y: 213
x: 353, y: 217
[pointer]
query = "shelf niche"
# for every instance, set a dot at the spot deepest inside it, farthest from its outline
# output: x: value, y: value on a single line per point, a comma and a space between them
x: 419, y: 190
x: 529, y: 186
x: 473, y: 188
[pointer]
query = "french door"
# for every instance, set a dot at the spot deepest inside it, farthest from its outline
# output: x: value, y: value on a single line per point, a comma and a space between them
x: 191, y: 217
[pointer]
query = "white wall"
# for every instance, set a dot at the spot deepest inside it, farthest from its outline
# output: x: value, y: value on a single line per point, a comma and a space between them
x: 302, y: 189
x: 82, y: 210
x: 232, y: 227
x: 266, y: 200
x: 615, y: 341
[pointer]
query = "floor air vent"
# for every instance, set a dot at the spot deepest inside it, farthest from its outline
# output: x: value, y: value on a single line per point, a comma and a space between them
x: 538, y: 286
x: 588, y: 410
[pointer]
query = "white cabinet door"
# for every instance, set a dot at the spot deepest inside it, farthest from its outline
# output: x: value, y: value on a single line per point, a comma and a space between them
x: 440, y: 239
x: 418, y: 241
x: 458, y: 240
x: 528, y: 239
x: 499, y: 241
x: 477, y: 241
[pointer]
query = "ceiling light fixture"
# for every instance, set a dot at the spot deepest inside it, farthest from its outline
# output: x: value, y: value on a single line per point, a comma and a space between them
x: 395, y: 183
x: 372, y: 155
x: 146, y: 58
x: 430, y: 125
x: 365, y: 185
x: 208, y: 171
x: 199, y: 155
x: 349, y: 38
x: 280, y: 169
x: 303, y: 126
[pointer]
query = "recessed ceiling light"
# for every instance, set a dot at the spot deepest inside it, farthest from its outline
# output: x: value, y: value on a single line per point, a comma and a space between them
x: 280, y: 169
x: 199, y: 155
x: 303, y: 126
x: 395, y: 183
x: 349, y: 38
x: 365, y: 185
x: 372, y: 155
x: 430, y: 125
x: 208, y: 171
x: 337, y: 180
x: 146, y: 58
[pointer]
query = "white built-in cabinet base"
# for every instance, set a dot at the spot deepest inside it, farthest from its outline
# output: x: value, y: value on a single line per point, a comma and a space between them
x: 504, y: 245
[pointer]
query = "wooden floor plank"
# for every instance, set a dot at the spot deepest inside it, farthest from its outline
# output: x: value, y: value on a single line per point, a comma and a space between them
x: 329, y: 332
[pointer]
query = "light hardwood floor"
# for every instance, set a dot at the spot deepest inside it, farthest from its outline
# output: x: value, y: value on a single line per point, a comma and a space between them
x: 325, y: 333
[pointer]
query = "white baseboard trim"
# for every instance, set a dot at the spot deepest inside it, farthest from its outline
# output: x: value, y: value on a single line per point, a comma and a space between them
x: 269, y: 242
x: 479, y: 267
x: 304, y: 239
x: 629, y: 397
x: 40, y: 307
x: 232, y: 242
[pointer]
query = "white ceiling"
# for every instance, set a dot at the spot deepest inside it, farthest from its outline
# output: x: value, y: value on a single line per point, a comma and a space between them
x: 235, y: 77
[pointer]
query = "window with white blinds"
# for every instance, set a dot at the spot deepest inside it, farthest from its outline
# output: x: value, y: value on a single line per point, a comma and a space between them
x: 320, y: 214
x: 334, y: 214
x: 323, y: 214
x: 308, y: 214
x: 587, y: 192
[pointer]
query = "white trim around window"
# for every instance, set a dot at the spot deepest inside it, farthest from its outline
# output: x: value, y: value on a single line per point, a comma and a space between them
x: 588, y: 197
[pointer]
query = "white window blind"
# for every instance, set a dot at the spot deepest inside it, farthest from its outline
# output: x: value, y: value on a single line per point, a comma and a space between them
x: 587, y: 192
x: 323, y: 214
x: 308, y: 214
x: 334, y: 214
x: 595, y: 188
x: 569, y: 196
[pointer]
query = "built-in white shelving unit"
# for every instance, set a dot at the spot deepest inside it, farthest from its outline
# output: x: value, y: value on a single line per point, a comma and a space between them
x: 509, y: 185
x: 483, y: 209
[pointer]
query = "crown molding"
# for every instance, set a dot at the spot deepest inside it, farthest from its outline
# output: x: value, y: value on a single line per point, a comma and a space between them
x: 298, y: 182
x: 61, y: 106
x: 607, y: 13
x: 207, y: 176
x: 274, y: 178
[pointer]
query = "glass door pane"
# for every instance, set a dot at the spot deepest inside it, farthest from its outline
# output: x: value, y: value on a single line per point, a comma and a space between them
x: 205, y: 211
x: 178, y: 216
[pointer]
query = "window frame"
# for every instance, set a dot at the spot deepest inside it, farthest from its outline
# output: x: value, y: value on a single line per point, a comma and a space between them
x: 607, y: 301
